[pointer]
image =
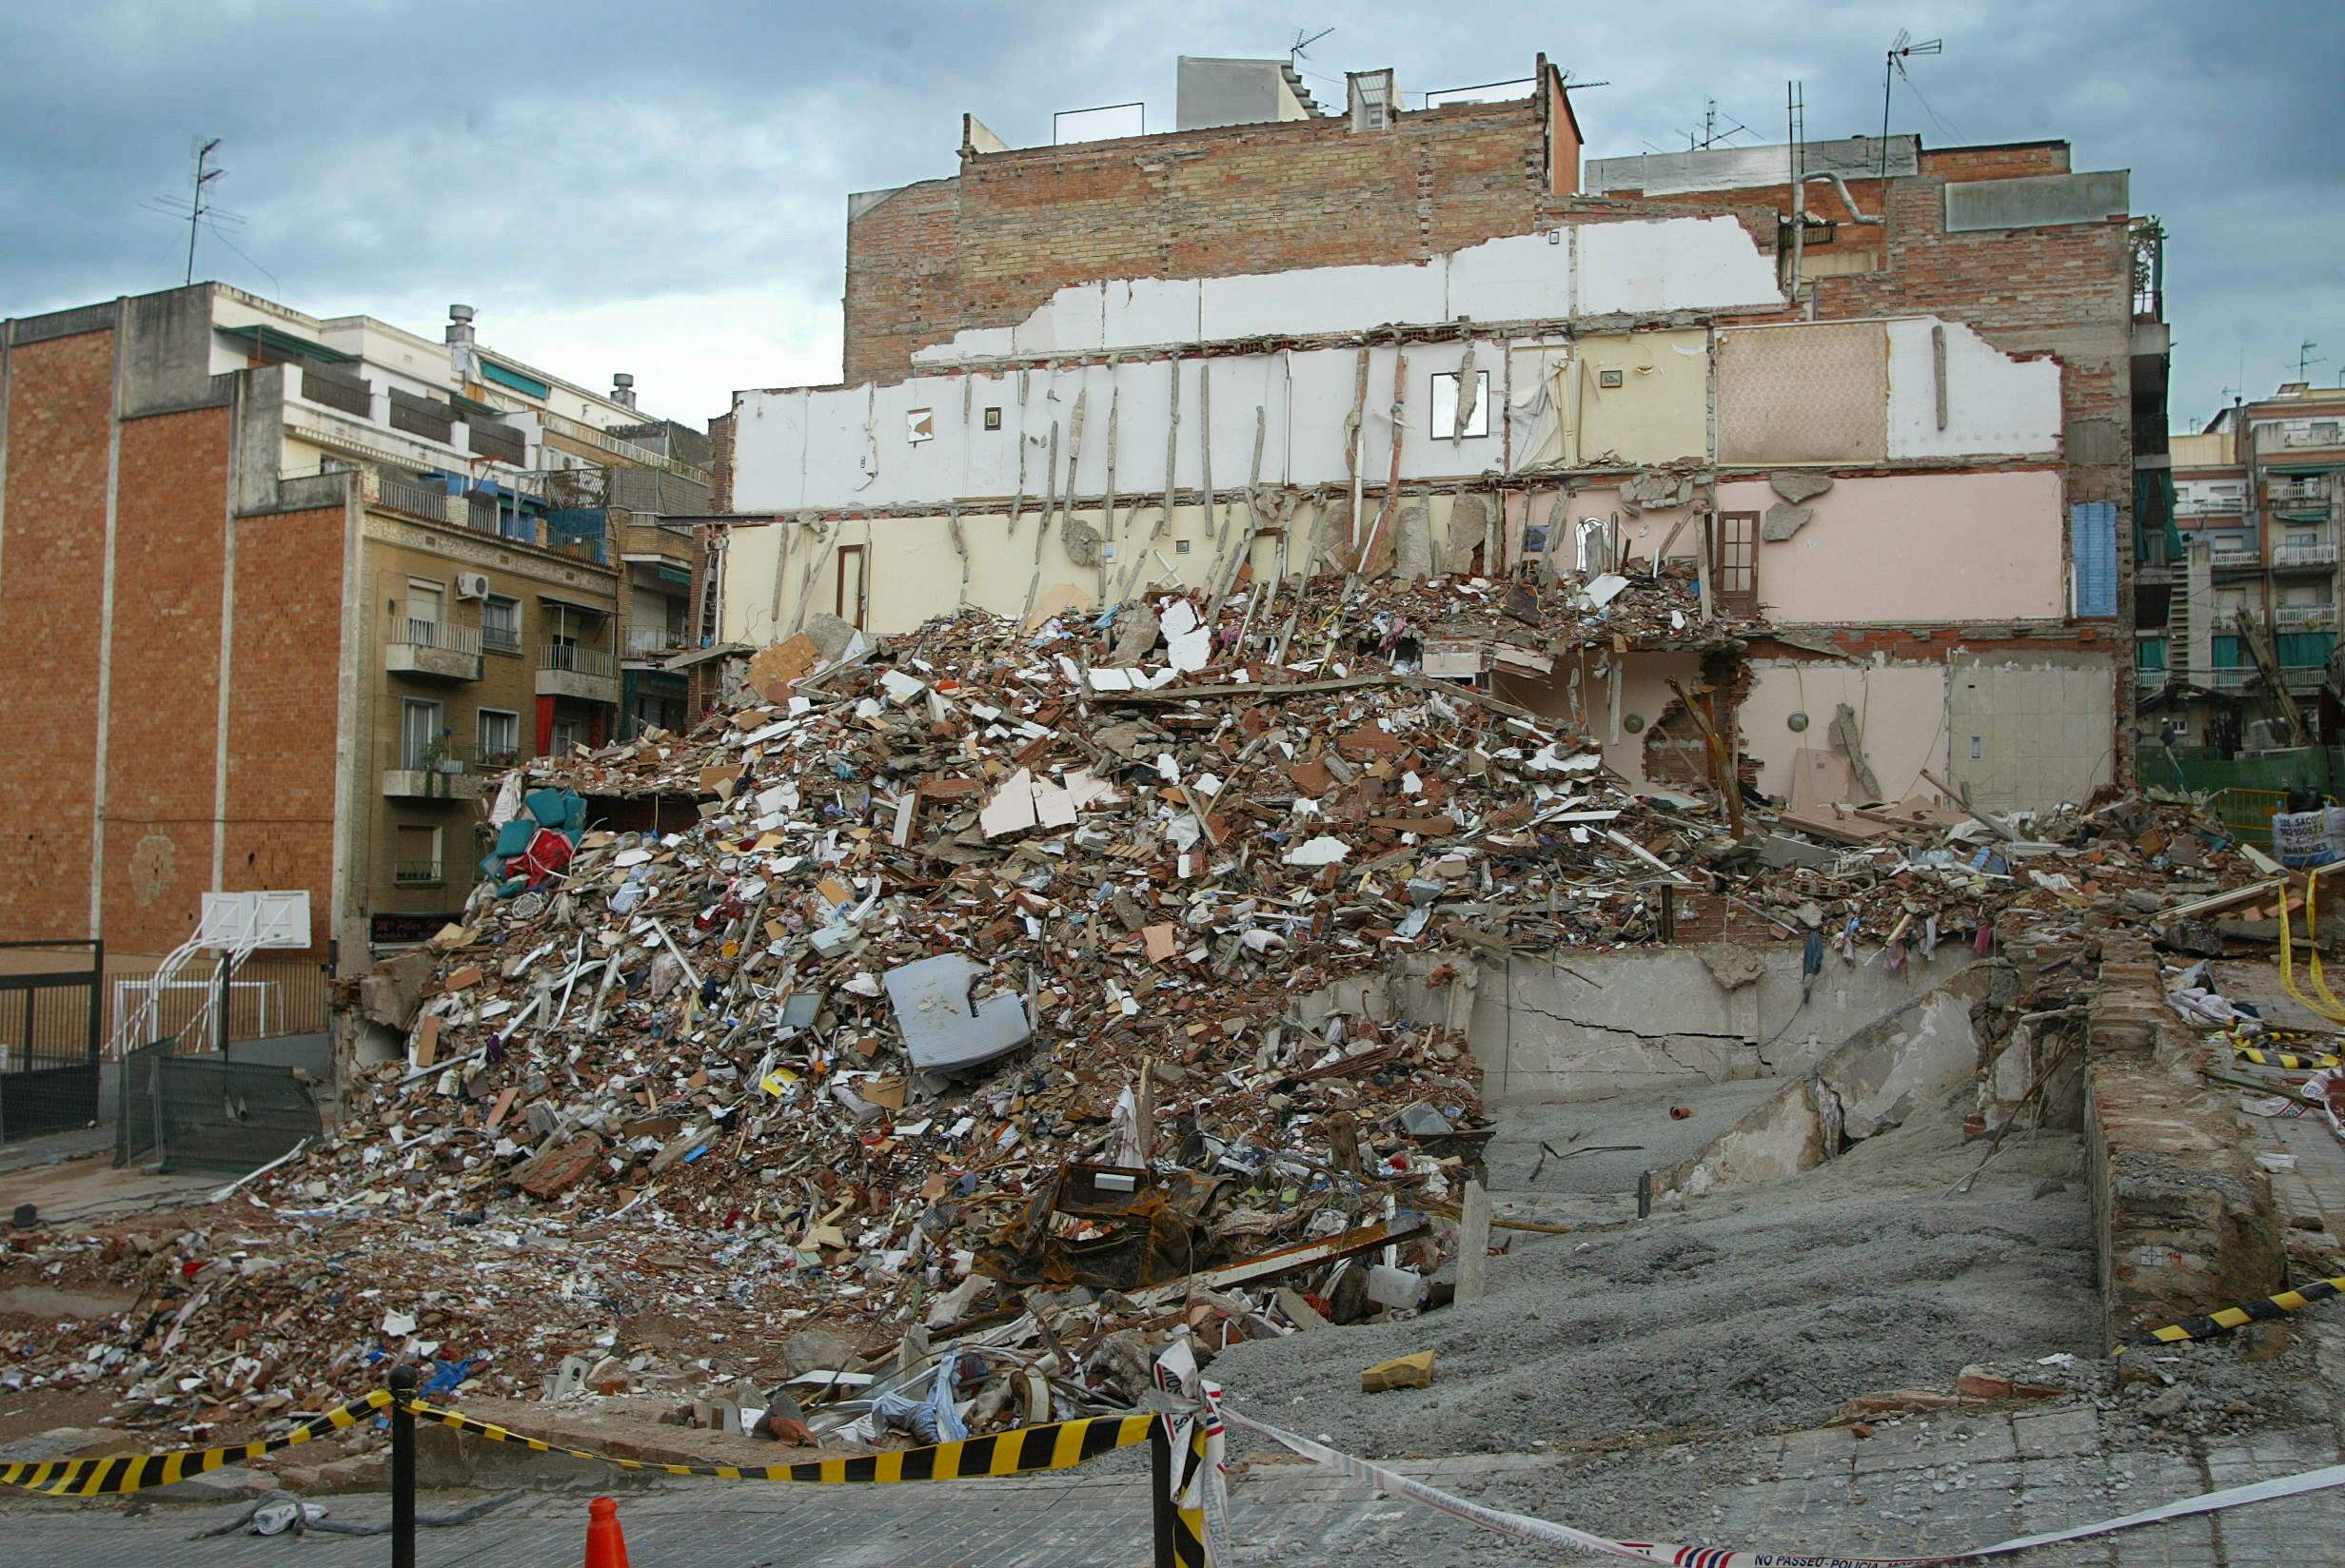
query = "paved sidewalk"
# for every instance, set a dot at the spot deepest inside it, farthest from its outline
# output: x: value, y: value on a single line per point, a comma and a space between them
x: 1955, y: 1482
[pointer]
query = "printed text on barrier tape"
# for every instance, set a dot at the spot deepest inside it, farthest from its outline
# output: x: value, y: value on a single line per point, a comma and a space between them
x: 2268, y: 1309
x: 1061, y: 1445
x: 113, y: 1475
x: 1523, y: 1527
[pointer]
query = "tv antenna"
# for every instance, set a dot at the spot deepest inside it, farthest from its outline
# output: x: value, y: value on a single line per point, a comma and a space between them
x: 1900, y: 52
x: 1711, y: 132
x: 1296, y: 51
x: 196, y: 209
x: 2306, y: 359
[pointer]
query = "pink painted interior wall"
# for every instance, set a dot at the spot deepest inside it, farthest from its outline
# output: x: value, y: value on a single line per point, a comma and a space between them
x: 1900, y: 713
x: 1919, y: 547
x: 1645, y: 691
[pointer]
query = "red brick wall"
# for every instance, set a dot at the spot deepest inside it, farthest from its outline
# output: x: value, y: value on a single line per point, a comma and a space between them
x: 51, y: 570
x: 161, y: 730
x: 284, y: 707
x: 986, y: 248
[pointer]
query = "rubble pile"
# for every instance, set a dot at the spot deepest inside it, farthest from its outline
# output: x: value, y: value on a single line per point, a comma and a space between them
x: 1036, y: 991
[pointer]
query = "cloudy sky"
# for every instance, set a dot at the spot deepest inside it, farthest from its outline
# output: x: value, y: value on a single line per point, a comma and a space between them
x: 662, y: 188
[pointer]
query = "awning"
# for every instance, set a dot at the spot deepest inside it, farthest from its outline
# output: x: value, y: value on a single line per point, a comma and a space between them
x: 284, y: 342
x: 578, y: 604
x: 492, y: 371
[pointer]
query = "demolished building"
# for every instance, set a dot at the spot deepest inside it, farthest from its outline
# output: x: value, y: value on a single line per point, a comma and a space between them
x: 1879, y: 393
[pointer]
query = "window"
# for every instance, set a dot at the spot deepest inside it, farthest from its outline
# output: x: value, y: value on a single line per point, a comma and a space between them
x: 992, y: 419
x: 920, y: 425
x: 2324, y: 432
x: 501, y: 737
x: 568, y: 732
x: 1445, y: 426
x: 500, y: 625
x: 427, y: 608
x: 420, y: 741
x: 416, y: 858
x: 1734, y: 563
x: 854, y: 582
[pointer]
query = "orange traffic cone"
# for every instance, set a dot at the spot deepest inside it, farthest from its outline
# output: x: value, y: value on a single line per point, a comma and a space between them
x: 607, y: 1545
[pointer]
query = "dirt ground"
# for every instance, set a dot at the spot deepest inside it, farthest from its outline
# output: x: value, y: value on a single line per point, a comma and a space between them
x: 1761, y: 1308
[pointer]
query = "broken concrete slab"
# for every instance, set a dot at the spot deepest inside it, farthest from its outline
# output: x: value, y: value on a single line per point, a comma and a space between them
x: 944, y: 1029
x: 1795, y: 486
x: 1783, y: 520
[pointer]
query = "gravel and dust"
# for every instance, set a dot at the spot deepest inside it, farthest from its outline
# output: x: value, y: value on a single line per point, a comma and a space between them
x: 1761, y: 1308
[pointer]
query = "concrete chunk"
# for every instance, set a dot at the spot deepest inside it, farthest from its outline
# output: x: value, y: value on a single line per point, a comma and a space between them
x: 1795, y: 486
x: 1784, y: 519
x: 945, y: 1031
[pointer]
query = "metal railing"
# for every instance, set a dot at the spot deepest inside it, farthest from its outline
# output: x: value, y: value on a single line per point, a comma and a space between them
x: 2305, y: 618
x: 2292, y: 493
x: 2210, y: 506
x: 584, y: 661
x: 503, y: 640
x: 625, y: 451
x: 416, y: 874
x: 643, y: 641
x: 2230, y: 680
x: 2304, y: 555
x: 435, y: 633
x: 415, y: 499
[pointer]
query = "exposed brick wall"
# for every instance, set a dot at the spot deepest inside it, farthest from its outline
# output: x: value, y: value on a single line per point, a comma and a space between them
x: 284, y: 707
x: 2010, y: 161
x: 987, y: 247
x: 60, y: 402
x: 162, y: 730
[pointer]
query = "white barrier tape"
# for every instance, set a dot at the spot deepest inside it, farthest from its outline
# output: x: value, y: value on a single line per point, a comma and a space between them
x: 1523, y: 1527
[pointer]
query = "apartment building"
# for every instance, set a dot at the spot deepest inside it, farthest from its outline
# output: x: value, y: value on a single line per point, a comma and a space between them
x: 1883, y: 394
x: 2255, y: 528
x: 288, y: 590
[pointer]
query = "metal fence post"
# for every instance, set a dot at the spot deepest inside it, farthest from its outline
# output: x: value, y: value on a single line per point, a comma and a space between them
x: 403, y: 1467
x: 1160, y: 1494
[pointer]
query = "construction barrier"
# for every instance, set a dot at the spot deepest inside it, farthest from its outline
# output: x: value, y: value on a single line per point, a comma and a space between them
x: 2268, y: 1309
x: 115, y: 1474
x: 1059, y: 1445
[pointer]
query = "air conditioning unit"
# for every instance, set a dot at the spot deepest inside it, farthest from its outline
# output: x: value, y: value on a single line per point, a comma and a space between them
x: 472, y: 585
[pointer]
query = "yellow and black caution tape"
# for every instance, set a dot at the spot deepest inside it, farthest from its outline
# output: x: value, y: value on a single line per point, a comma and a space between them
x: 2238, y: 1317
x: 1059, y: 1445
x: 2285, y: 1059
x: 114, y: 1474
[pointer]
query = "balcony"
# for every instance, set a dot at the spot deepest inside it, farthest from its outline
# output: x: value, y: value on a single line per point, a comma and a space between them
x: 2305, y: 618
x: 2300, y: 557
x: 2302, y: 678
x: 2317, y: 436
x: 650, y: 643
x: 589, y: 675
x: 432, y: 650
x: 2150, y: 680
x: 436, y: 777
x: 2216, y: 509
x: 416, y: 874
x: 2234, y: 560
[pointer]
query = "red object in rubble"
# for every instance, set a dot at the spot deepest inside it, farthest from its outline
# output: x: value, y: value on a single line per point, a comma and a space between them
x: 547, y: 854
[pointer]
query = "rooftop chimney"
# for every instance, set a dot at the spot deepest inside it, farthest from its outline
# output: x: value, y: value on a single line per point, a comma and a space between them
x: 459, y: 341
x: 622, y: 388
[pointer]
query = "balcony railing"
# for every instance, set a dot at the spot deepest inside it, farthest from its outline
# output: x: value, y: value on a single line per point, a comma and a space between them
x: 502, y: 639
x: 435, y: 633
x: 2150, y: 680
x: 2301, y: 678
x: 416, y: 874
x: 2305, y: 618
x: 2288, y: 492
x: 2209, y: 506
x: 2322, y: 436
x: 650, y: 642
x: 415, y: 499
x: 2226, y: 679
x: 584, y: 661
x: 2304, y: 555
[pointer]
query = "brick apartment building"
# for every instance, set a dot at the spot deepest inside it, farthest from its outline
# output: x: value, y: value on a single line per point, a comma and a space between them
x: 2255, y: 517
x: 1887, y: 393
x: 279, y: 591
